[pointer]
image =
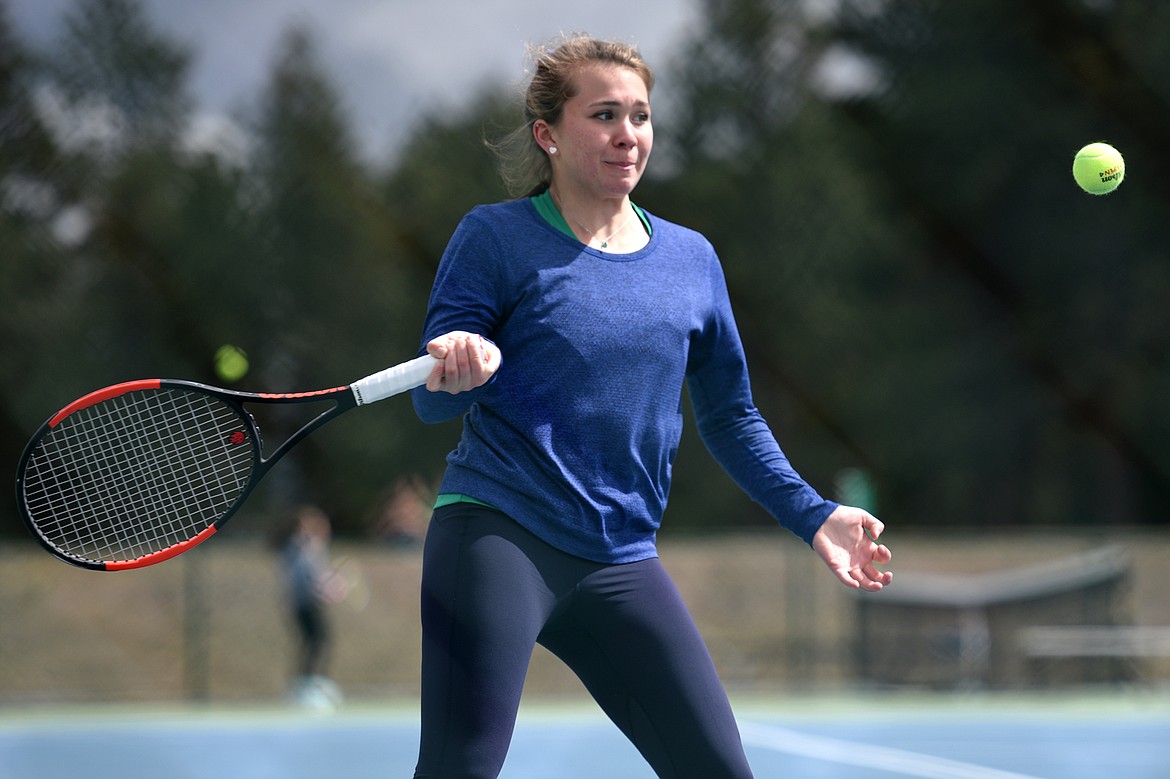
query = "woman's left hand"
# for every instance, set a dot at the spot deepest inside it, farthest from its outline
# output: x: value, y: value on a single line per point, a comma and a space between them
x: 466, y: 361
x: 848, y: 543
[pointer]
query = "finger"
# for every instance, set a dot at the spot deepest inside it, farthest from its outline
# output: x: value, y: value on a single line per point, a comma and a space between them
x: 882, y: 554
x: 435, y: 378
x: 847, y: 578
x: 455, y: 366
x: 880, y: 578
x: 493, y: 358
x: 873, y: 527
x: 437, y: 348
x: 479, y: 361
x: 476, y: 372
x: 463, y: 352
x: 868, y: 580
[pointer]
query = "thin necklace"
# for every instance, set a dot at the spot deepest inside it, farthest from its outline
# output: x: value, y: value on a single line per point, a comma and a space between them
x: 592, y: 233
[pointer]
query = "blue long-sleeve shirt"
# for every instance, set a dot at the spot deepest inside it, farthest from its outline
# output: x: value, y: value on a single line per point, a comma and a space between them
x: 575, y: 436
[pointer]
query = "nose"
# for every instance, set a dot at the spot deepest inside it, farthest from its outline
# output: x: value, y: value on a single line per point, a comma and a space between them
x: 625, y: 136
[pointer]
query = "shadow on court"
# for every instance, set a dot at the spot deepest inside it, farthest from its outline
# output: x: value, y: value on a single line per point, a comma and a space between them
x: 1122, y: 735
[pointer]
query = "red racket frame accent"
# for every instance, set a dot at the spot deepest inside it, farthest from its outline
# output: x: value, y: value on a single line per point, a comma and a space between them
x: 93, y: 398
x: 161, y: 555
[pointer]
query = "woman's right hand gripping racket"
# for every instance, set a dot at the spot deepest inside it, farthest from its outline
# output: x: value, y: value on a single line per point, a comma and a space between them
x: 140, y: 472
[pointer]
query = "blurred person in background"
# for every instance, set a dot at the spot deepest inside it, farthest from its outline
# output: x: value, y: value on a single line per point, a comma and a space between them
x: 311, y: 587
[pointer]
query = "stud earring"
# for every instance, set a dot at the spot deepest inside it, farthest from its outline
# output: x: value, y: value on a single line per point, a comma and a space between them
x: 552, y: 149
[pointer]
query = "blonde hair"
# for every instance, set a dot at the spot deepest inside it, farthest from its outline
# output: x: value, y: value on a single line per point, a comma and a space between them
x: 524, y: 164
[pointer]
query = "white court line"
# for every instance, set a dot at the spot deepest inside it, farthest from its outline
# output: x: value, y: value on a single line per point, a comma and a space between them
x: 866, y: 755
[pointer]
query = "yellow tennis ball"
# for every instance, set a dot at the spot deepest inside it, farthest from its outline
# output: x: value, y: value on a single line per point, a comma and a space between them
x: 231, y: 363
x: 1098, y: 168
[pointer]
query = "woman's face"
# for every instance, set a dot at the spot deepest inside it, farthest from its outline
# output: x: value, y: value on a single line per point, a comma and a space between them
x: 604, y: 136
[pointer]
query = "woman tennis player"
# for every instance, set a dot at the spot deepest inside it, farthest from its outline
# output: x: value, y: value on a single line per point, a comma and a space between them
x: 567, y: 323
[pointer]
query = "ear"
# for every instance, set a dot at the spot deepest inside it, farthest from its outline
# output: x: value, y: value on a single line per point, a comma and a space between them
x: 543, y: 133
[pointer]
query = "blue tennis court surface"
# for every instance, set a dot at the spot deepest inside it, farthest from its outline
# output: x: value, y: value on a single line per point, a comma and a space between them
x: 948, y: 738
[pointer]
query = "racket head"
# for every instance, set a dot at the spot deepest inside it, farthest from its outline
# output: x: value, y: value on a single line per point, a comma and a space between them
x: 137, y: 473
x: 348, y: 585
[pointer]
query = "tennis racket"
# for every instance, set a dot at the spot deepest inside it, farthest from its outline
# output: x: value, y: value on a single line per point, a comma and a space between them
x: 139, y: 472
x: 348, y: 585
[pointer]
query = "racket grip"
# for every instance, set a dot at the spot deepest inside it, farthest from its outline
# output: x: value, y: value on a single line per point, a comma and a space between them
x: 400, y: 378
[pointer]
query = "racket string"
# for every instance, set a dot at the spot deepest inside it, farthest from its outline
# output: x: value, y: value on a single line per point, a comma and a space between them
x: 138, y: 473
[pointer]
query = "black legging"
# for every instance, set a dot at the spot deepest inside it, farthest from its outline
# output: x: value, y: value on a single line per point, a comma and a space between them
x: 491, y: 590
x: 314, y: 635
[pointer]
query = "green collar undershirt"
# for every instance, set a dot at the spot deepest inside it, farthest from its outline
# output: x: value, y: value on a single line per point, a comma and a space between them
x: 548, y: 209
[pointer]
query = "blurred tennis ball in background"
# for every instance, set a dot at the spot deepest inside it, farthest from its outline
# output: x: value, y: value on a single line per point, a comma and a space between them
x: 231, y: 363
x: 1098, y: 168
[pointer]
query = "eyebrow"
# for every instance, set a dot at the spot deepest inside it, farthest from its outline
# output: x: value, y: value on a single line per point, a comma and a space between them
x: 612, y: 102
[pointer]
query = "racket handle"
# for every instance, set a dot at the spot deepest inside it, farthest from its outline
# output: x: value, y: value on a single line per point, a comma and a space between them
x: 400, y: 378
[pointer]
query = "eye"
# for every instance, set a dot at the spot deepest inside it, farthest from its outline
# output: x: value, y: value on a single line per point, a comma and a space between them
x: 604, y: 116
